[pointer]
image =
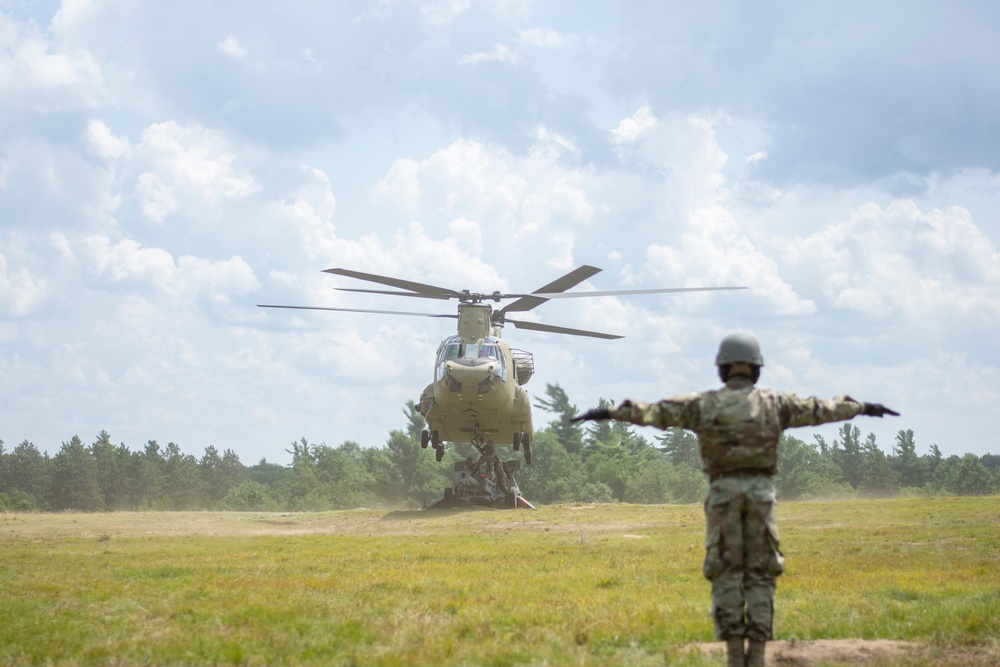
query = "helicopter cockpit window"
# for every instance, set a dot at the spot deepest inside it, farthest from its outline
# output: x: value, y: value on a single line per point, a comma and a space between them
x: 452, y: 351
x: 488, y: 350
x: 455, y: 348
x: 482, y: 351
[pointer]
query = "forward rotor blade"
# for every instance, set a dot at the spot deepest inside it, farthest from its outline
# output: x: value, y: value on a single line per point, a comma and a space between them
x: 627, y: 292
x: 535, y: 326
x: 443, y: 297
x: 571, y: 279
x: 420, y: 288
x: 358, y: 310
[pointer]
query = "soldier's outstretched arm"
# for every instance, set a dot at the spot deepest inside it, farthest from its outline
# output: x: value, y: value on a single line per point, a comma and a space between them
x: 877, y: 410
x: 680, y: 411
x: 594, y: 414
x: 814, y: 411
x: 609, y: 412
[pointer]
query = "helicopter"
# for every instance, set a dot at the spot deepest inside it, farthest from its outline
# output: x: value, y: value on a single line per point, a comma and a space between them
x: 477, y: 393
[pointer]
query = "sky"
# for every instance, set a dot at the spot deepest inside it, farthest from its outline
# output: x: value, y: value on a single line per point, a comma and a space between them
x: 166, y: 167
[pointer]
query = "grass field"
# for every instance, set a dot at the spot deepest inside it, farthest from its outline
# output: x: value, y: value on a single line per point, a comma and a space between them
x: 563, y: 585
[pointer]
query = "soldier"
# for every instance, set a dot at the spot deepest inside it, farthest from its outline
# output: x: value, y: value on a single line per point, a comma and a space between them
x: 738, y: 428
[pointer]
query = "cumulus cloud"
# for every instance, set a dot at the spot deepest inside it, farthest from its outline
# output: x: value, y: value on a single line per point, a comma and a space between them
x: 35, y: 76
x: 715, y: 253
x: 195, y: 157
x: 501, y: 53
x: 21, y: 291
x: 311, y: 210
x: 899, y: 261
x: 104, y: 142
x: 848, y: 96
x: 545, y: 38
x: 516, y: 195
x: 156, y: 198
x: 231, y: 47
x: 631, y: 128
x: 187, y: 277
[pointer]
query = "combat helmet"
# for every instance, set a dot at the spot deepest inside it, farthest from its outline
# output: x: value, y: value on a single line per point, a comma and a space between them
x: 739, y: 347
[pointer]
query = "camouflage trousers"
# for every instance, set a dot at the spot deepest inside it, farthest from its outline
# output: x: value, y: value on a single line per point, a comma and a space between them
x: 742, y: 558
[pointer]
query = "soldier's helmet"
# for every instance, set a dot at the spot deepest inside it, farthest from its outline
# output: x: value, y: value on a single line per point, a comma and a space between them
x: 739, y: 347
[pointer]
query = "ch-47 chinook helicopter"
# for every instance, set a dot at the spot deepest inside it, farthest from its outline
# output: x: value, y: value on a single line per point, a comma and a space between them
x: 477, y: 394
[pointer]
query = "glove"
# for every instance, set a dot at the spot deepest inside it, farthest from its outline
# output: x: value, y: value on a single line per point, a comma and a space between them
x: 877, y: 410
x: 594, y: 414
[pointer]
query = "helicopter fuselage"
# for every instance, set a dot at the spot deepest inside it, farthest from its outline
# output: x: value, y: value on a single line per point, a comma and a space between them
x: 477, y: 392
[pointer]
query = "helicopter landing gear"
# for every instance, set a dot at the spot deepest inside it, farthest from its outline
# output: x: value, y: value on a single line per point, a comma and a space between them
x: 432, y: 438
x: 523, y: 439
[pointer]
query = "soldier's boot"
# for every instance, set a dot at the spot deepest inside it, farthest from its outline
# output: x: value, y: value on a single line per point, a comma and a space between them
x: 755, y: 653
x: 734, y: 651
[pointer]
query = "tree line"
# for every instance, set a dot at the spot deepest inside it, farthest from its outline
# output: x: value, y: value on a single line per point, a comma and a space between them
x: 598, y: 462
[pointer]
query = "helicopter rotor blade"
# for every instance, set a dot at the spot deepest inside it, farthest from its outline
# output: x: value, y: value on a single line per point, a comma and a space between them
x: 419, y: 288
x: 359, y: 310
x: 627, y: 292
x: 524, y: 302
x: 536, y: 326
x: 443, y: 297
x: 571, y: 279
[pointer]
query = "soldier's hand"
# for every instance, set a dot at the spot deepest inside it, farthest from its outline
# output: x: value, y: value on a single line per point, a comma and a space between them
x: 878, y: 410
x: 594, y: 414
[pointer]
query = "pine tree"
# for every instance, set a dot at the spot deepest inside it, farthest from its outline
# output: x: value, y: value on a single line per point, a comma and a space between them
x: 111, y: 471
x: 905, y: 461
x: 847, y: 454
x: 74, y: 479
x: 877, y: 476
x: 680, y: 446
x: 567, y: 433
x: 29, y: 473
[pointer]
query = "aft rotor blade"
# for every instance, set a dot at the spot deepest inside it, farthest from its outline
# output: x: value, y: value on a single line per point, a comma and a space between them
x: 358, y: 310
x: 627, y: 292
x: 420, y: 288
x: 535, y: 326
x: 571, y: 279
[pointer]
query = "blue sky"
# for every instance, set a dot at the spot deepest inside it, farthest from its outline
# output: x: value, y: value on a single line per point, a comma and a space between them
x: 165, y: 168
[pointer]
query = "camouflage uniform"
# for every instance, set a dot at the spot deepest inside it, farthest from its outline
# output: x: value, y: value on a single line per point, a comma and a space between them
x: 738, y: 429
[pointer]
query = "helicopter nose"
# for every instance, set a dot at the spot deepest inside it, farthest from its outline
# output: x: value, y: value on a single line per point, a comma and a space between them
x: 470, y: 377
x: 464, y: 373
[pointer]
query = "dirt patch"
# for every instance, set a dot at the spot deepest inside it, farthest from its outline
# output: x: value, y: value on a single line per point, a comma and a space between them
x: 406, y: 515
x: 828, y: 651
x: 849, y: 651
x: 814, y: 653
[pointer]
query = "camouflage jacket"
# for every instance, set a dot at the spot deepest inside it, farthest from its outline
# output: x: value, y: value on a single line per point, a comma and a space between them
x: 738, y: 426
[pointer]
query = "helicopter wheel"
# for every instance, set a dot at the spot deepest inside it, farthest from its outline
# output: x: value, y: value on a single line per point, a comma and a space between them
x: 526, y: 441
x: 425, y: 438
x: 438, y: 452
x: 517, y: 440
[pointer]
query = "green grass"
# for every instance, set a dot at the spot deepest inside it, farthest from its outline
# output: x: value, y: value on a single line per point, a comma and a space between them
x: 565, y: 585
